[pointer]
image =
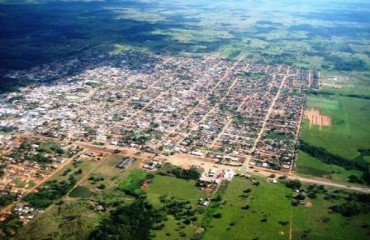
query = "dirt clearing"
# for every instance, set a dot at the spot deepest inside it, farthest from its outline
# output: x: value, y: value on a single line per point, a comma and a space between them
x: 316, y: 118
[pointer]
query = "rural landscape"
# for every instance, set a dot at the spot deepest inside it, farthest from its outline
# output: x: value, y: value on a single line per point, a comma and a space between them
x: 160, y: 119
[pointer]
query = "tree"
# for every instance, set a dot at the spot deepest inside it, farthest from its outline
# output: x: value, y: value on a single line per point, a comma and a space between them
x: 294, y: 184
x: 300, y: 197
x: 132, y: 222
x: 217, y: 215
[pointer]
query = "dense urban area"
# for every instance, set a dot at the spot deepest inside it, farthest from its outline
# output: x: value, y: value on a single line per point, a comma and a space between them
x: 198, y: 120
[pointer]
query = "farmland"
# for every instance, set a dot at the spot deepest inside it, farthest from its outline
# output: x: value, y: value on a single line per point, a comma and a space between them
x: 348, y: 134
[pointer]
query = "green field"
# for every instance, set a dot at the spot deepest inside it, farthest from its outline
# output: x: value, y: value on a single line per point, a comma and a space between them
x: 267, y: 201
x: 271, y: 215
x: 72, y: 220
x: 350, y: 130
x: 243, y: 211
x: 174, y: 187
x: 178, y: 190
x: 308, y: 165
x: 316, y: 222
x: 109, y: 172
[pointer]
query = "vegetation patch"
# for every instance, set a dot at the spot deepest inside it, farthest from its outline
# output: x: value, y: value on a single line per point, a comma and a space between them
x: 192, y: 173
x: 131, y: 222
x: 80, y: 192
x: 329, y: 158
x: 132, y: 184
x: 49, y: 192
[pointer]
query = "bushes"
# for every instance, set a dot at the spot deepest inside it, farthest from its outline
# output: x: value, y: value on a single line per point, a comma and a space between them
x: 217, y: 215
x: 347, y: 209
x: 39, y: 158
x: 7, y: 199
x: 185, y: 173
x: 294, y: 184
x: 51, y: 191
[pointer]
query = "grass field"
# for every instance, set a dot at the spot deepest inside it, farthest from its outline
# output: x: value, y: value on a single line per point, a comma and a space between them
x: 316, y: 222
x: 308, y: 165
x: 350, y: 130
x: 266, y: 201
x: 179, y: 190
x: 174, y: 187
x: 271, y: 215
x: 246, y: 211
x: 103, y: 181
x: 73, y: 220
x: 109, y: 172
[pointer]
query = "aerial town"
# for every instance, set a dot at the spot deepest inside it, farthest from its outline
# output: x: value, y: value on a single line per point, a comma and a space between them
x: 237, y: 112
x: 233, y: 112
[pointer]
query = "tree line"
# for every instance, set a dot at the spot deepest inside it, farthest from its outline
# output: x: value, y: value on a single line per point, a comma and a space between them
x: 329, y: 158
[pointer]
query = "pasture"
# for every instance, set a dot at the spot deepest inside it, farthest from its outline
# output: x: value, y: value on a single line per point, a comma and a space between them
x: 175, y: 190
x: 350, y: 130
x: 268, y: 206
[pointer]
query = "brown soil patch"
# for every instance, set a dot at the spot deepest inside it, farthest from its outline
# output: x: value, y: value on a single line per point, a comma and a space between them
x: 315, y: 118
x: 308, y: 204
x: 146, y: 184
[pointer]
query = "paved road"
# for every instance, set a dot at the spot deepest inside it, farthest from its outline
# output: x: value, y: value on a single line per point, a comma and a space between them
x: 311, y: 180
